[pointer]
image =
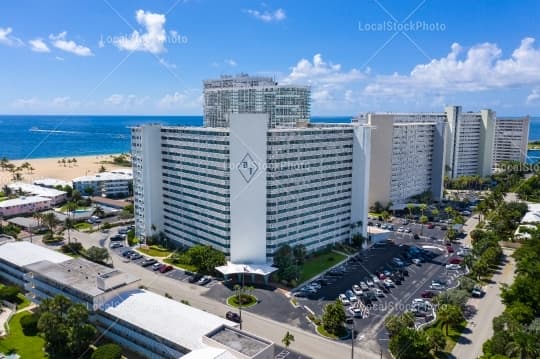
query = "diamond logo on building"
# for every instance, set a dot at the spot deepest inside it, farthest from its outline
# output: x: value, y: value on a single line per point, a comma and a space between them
x: 248, y: 167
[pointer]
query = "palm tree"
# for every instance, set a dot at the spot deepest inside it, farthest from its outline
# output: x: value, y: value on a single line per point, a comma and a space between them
x: 523, y: 346
x: 423, y: 207
x: 69, y: 225
x: 435, y: 212
x: 38, y: 217
x: 3, y: 163
x: 448, y: 210
x: 7, y: 190
x: 74, y: 161
x: 99, y: 212
x: 410, y: 207
x: 423, y: 220
x: 385, y: 216
x: 450, y: 316
x: 287, y: 340
x: 49, y: 219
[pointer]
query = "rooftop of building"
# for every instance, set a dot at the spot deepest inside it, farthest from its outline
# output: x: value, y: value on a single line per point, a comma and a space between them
x: 23, y: 253
x: 160, y: 316
x: 533, y: 215
x: 23, y: 200
x: 81, y: 274
x: 51, y: 182
x: 239, y: 341
x: 120, y: 174
x: 36, y: 190
x: 209, y: 353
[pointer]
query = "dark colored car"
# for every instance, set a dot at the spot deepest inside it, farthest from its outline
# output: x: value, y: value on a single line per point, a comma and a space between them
x: 416, y: 236
x: 148, y: 262
x: 116, y: 245
x: 233, y: 317
x: 428, y: 294
x: 449, y: 249
x: 455, y: 260
x: 127, y: 253
x: 116, y: 237
x: 194, y: 278
x: 165, y: 268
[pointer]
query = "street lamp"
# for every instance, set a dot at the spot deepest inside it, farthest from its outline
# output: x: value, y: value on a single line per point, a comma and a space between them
x: 240, y: 296
x: 350, y: 320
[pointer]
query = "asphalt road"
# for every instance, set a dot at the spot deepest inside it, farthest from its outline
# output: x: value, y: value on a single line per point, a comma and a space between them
x: 480, y: 326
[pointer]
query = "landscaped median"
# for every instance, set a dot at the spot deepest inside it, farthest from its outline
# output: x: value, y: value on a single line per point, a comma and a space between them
x: 155, y: 251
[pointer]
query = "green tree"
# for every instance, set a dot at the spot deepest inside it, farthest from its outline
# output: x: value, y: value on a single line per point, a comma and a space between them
x: 50, y: 220
x: 385, y: 215
x: 80, y: 333
x: 435, y: 339
x: 299, y: 252
x: 107, y: 351
x: 523, y: 346
x: 287, y: 340
x: 333, y: 317
x: 410, y: 207
x: 450, y: 316
x: 97, y: 254
x: 69, y: 224
x: 410, y: 343
x: 9, y: 293
x: 423, y: 220
x: 205, y: 258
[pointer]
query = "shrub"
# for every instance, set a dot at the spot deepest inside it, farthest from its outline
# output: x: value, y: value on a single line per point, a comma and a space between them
x: 107, y: 351
x: 72, y: 248
x: 9, y: 293
x: 29, y: 324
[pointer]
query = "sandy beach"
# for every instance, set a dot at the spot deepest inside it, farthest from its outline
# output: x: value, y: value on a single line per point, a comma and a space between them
x: 50, y: 168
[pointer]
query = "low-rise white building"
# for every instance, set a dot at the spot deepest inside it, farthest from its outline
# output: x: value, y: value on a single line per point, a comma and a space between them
x: 116, y: 183
x: 53, y: 194
x: 24, y: 205
x: 51, y: 182
x: 141, y: 321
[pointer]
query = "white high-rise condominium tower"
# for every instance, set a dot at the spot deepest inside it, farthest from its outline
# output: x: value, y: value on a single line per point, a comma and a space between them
x: 285, y: 104
x: 246, y: 190
x: 407, y: 156
x: 477, y: 142
x: 511, y: 140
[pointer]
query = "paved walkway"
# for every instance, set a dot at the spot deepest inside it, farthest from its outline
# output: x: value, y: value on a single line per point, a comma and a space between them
x: 480, y: 327
x: 4, y: 317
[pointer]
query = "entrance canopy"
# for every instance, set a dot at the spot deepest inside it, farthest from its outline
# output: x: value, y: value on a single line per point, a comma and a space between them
x: 233, y: 268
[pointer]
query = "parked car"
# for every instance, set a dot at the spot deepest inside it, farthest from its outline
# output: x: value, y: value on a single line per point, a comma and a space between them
x: 351, y: 296
x: 194, y: 278
x: 233, y: 317
x: 436, y: 286
x: 417, y: 261
x: 449, y: 248
x: 148, y: 262
x: 157, y: 266
x: 375, y: 279
x: 428, y: 294
x: 407, y: 230
x: 364, y: 286
x: 477, y: 293
x: 116, y: 245
x: 455, y: 260
x: 453, y: 266
x: 343, y: 299
x: 204, y: 280
x: 135, y: 256
x: 416, y: 236
x: 379, y: 292
x: 123, y: 230
x: 400, y: 229
x: 397, y: 262
x: 127, y: 253
x: 116, y: 237
x: 356, y: 289
x: 430, y: 226
x: 356, y: 312
x: 369, y: 282
x: 165, y: 268
x: 388, y: 283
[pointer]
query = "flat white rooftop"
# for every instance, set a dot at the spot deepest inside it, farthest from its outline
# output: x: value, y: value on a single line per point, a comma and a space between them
x: 36, y: 190
x: 51, y: 182
x: 209, y: 353
x: 25, y: 253
x: 533, y: 215
x: 232, y: 268
x: 161, y: 316
x: 106, y: 176
x: 23, y: 200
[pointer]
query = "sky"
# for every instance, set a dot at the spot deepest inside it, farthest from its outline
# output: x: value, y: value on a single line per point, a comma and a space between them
x: 150, y: 57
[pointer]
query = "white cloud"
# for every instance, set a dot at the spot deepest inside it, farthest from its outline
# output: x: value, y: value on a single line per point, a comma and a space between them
x: 101, y: 43
x: 152, y: 40
x: 185, y: 100
x: 125, y: 101
x: 38, y: 45
x: 231, y: 62
x: 481, y: 68
x: 534, y: 96
x: 319, y: 72
x: 59, y: 41
x: 268, y: 16
x: 59, y: 58
x: 7, y: 39
x: 56, y: 103
x: 168, y: 65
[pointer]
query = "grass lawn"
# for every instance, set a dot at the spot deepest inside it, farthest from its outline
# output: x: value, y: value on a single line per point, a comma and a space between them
x: 453, y: 334
x: 83, y: 226
x: 319, y: 263
x: 22, y: 301
x: 17, y: 342
x: 324, y: 333
x: 233, y: 301
x: 156, y: 251
x: 187, y: 267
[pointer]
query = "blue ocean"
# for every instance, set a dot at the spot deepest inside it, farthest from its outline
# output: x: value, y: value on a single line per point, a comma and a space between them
x: 26, y: 137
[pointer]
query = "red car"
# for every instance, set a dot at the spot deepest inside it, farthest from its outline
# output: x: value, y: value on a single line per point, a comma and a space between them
x: 428, y: 294
x: 455, y: 260
x: 165, y: 268
x: 430, y: 225
x: 449, y: 248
